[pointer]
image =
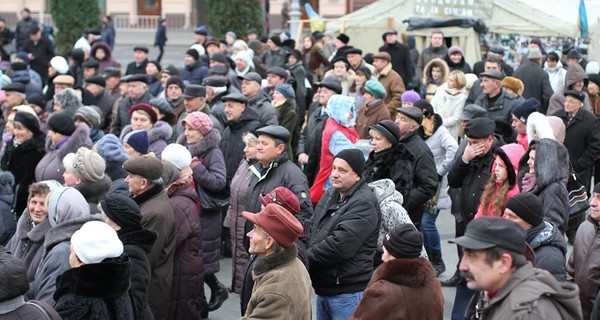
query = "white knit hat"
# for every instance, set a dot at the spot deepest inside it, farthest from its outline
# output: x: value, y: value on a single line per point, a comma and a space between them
x: 96, y: 241
x: 178, y: 155
x: 59, y: 64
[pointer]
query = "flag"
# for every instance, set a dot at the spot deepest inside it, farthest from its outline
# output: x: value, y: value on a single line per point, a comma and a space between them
x: 583, y: 23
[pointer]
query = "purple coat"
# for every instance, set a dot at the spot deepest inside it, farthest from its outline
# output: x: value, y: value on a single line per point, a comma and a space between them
x: 188, y: 277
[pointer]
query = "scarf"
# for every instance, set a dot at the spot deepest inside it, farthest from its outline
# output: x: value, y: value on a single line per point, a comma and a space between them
x: 529, y: 182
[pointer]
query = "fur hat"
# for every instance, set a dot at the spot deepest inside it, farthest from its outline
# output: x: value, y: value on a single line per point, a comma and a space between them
x: 96, y: 241
x: 178, y: 155
x: 111, y: 149
x: 513, y: 84
x: 68, y: 98
x: 89, y: 165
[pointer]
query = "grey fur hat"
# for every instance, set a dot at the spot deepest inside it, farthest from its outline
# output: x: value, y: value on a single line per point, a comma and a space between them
x: 68, y: 99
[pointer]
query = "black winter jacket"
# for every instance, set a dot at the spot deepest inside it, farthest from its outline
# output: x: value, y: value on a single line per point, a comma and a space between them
x: 536, y: 83
x: 310, y: 140
x: 550, y: 249
x: 395, y: 163
x: 343, y: 240
x: 582, y: 138
x: 501, y: 109
x: 232, y: 143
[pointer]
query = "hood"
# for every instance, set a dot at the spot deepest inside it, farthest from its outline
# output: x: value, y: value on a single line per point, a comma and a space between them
x: 551, y: 167
x: 103, y: 46
x: 510, y: 154
x: 21, y: 76
x: 14, y: 276
x: 7, y: 181
x: 66, y: 204
x: 575, y: 73
x: 342, y: 110
x: 384, y: 189
x: 549, y: 235
x: 559, y: 66
x: 437, y: 62
x: 160, y: 131
x: 451, y: 64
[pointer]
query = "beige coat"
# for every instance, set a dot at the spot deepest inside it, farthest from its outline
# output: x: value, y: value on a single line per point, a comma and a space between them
x: 394, y: 86
x: 282, y: 288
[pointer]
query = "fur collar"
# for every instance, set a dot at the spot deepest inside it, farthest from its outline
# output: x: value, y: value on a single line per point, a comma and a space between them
x: 405, y: 272
x: 274, y: 261
x: 143, y: 238
x: 79, y: 138
x: 91, y: 279
x: 94, y: 191
x: 148, y: 194
x: 65, y: 230
x: 385, y: 71
x: 210, y: 140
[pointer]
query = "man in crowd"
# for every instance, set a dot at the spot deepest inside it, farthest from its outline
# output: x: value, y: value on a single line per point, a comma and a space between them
x: 24, y: 26
x: 147, y: 190
x: 391, y: 81
x: 216, y: 88
x: 40, y: 52
x: 15, y: 95
x: 112, y: 77
x: 137, y: 92
x: 343, y: 238
x: 174, y: 95
x: 399, y: 56
x: 354, y: 57
x: 257, y: 100
x: 140, y: 60
x: 194, y: 99
x: 281, y: 282
x: 96, y: 85
x: 494, y: 99
x: 275, y: 76
x: 275, y: 56
x: 437, y: 49
x: 194, y: 71
x: 510, y: 287
x: 535, y: 80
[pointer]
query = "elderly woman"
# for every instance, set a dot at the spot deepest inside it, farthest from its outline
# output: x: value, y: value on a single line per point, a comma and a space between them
x: 208, y: 166
x: 64, y: 137
x: 67, y: 101
x: 22, y: 154
x: 234, y: 219
x: 84, y: 171
x: 144, y: 117
x: 344, y: 73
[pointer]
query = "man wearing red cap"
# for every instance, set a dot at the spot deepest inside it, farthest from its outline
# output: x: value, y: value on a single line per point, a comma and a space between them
x: 281, y: 282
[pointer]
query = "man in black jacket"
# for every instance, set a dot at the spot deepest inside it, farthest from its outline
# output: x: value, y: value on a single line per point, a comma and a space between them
x: 40, y: 52
x: 535, y: 79
x: 470, y: 172
x: 138, y: 65
x: 343, y: 238
x: 400, y: 56
x: 425, y: 178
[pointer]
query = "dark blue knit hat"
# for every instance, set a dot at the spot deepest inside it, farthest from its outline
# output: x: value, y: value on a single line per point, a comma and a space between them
x: 138, y: 140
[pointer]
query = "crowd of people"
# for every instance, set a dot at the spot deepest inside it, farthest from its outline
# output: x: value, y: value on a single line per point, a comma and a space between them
x: 315, y: 165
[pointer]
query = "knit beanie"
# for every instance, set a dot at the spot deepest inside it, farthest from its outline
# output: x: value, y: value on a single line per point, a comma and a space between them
x: 138, y: 140
x: 526, y: 107
x: 410, y: 96
x: 89, y: 165
x: 123, y: 211
x: 96, y: 241
x: 276, y: 40
x: 528, y: 207
x: 404, y: 241
x: 178, y: 155
x: 286, y: 90
x: 111, y: 149
x: 176, y: 80
x: 91, y: 115
x: 61, y: 123
x: 198, y: 121
x: 193, y: 53
x: 354, y: 158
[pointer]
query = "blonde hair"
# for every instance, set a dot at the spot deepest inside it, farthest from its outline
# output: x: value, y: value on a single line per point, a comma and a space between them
x: 428, y: 124
x: 460, y: 80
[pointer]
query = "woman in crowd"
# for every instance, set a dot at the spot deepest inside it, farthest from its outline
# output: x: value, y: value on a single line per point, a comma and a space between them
x: 22, y: 154
x: 456, y: 60
x: 123, y: 214
x: 234, y: 219
x: 444, y: 147
x: 187, y: 289
x: 67, y: 101
x: 143, y: 117
x: 502, y: 184
x: 374, y: 109
x: 344, y: 73
x: 84, y: 171
x: 449, y: 100
x: 313, y: 60
x: 435, y: 74
x: 111, y: 150
x: 363, y: 74
x: 285, y: 106
x: 64, y: 137
x: 101, y: 52
x: 208, y: 166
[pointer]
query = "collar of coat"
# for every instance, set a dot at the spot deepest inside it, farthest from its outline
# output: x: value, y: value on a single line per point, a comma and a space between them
x: 274, y: 261
x: 148, y: 194
x: 385, y: 71
x: 274, y: 164
x: 405, y: 272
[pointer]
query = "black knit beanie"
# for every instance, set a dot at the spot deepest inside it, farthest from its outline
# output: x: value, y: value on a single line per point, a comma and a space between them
x: 123, y: 211
x: 355, y: 160
x: 404, y: 241
x: 528, y: 207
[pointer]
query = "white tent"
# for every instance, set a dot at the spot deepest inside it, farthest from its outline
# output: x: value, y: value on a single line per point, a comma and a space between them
x: 528, y: 17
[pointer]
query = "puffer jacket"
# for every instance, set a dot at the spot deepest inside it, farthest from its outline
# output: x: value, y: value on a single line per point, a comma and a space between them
x: 264, y: 109
x: 7, y: 219
x: 50, y: 166
x: 194, y: 73
x: 584, y: 263
x: 557, y: 101
x: 390, y: 205
x: 236, y: 222
x: 551, y: 171
x: 395, y: 163
x: 501, y: 109
x: 550, y: 249
x: 343, y: 263
x: 530, y: 293
x: 443, y: 147
x: 187, y: 289
x: 158, y: 136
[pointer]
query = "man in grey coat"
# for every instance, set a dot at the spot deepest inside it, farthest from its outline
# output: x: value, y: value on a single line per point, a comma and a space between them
x: 257, y: 100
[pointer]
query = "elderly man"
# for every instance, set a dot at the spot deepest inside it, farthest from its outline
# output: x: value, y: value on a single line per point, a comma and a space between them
x: 489, y: 64
x: 391, y: 81
x: 137, y: 92
x: 174, y: 94
x: 240, y: 120
x: 96, y: 85
x: 281, y: 283
x: 216, y: 88
x: 510, y: 287
x: 309, y: 146
x: 140, y: 60
x: 494, y: 99
x: 343, y: 238
x: 194, y: 99
x: 354, y: 57
x: 275, y: 76
x: 112, y: 76
x: 147, y: 190
x: 544, y: 237
x: 425, y: 177
x: 15, y: 95
x: 257, y: 100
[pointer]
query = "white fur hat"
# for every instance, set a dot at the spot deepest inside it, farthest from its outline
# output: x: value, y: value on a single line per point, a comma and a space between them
x: 96, y: 241
x: 178, y: 155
